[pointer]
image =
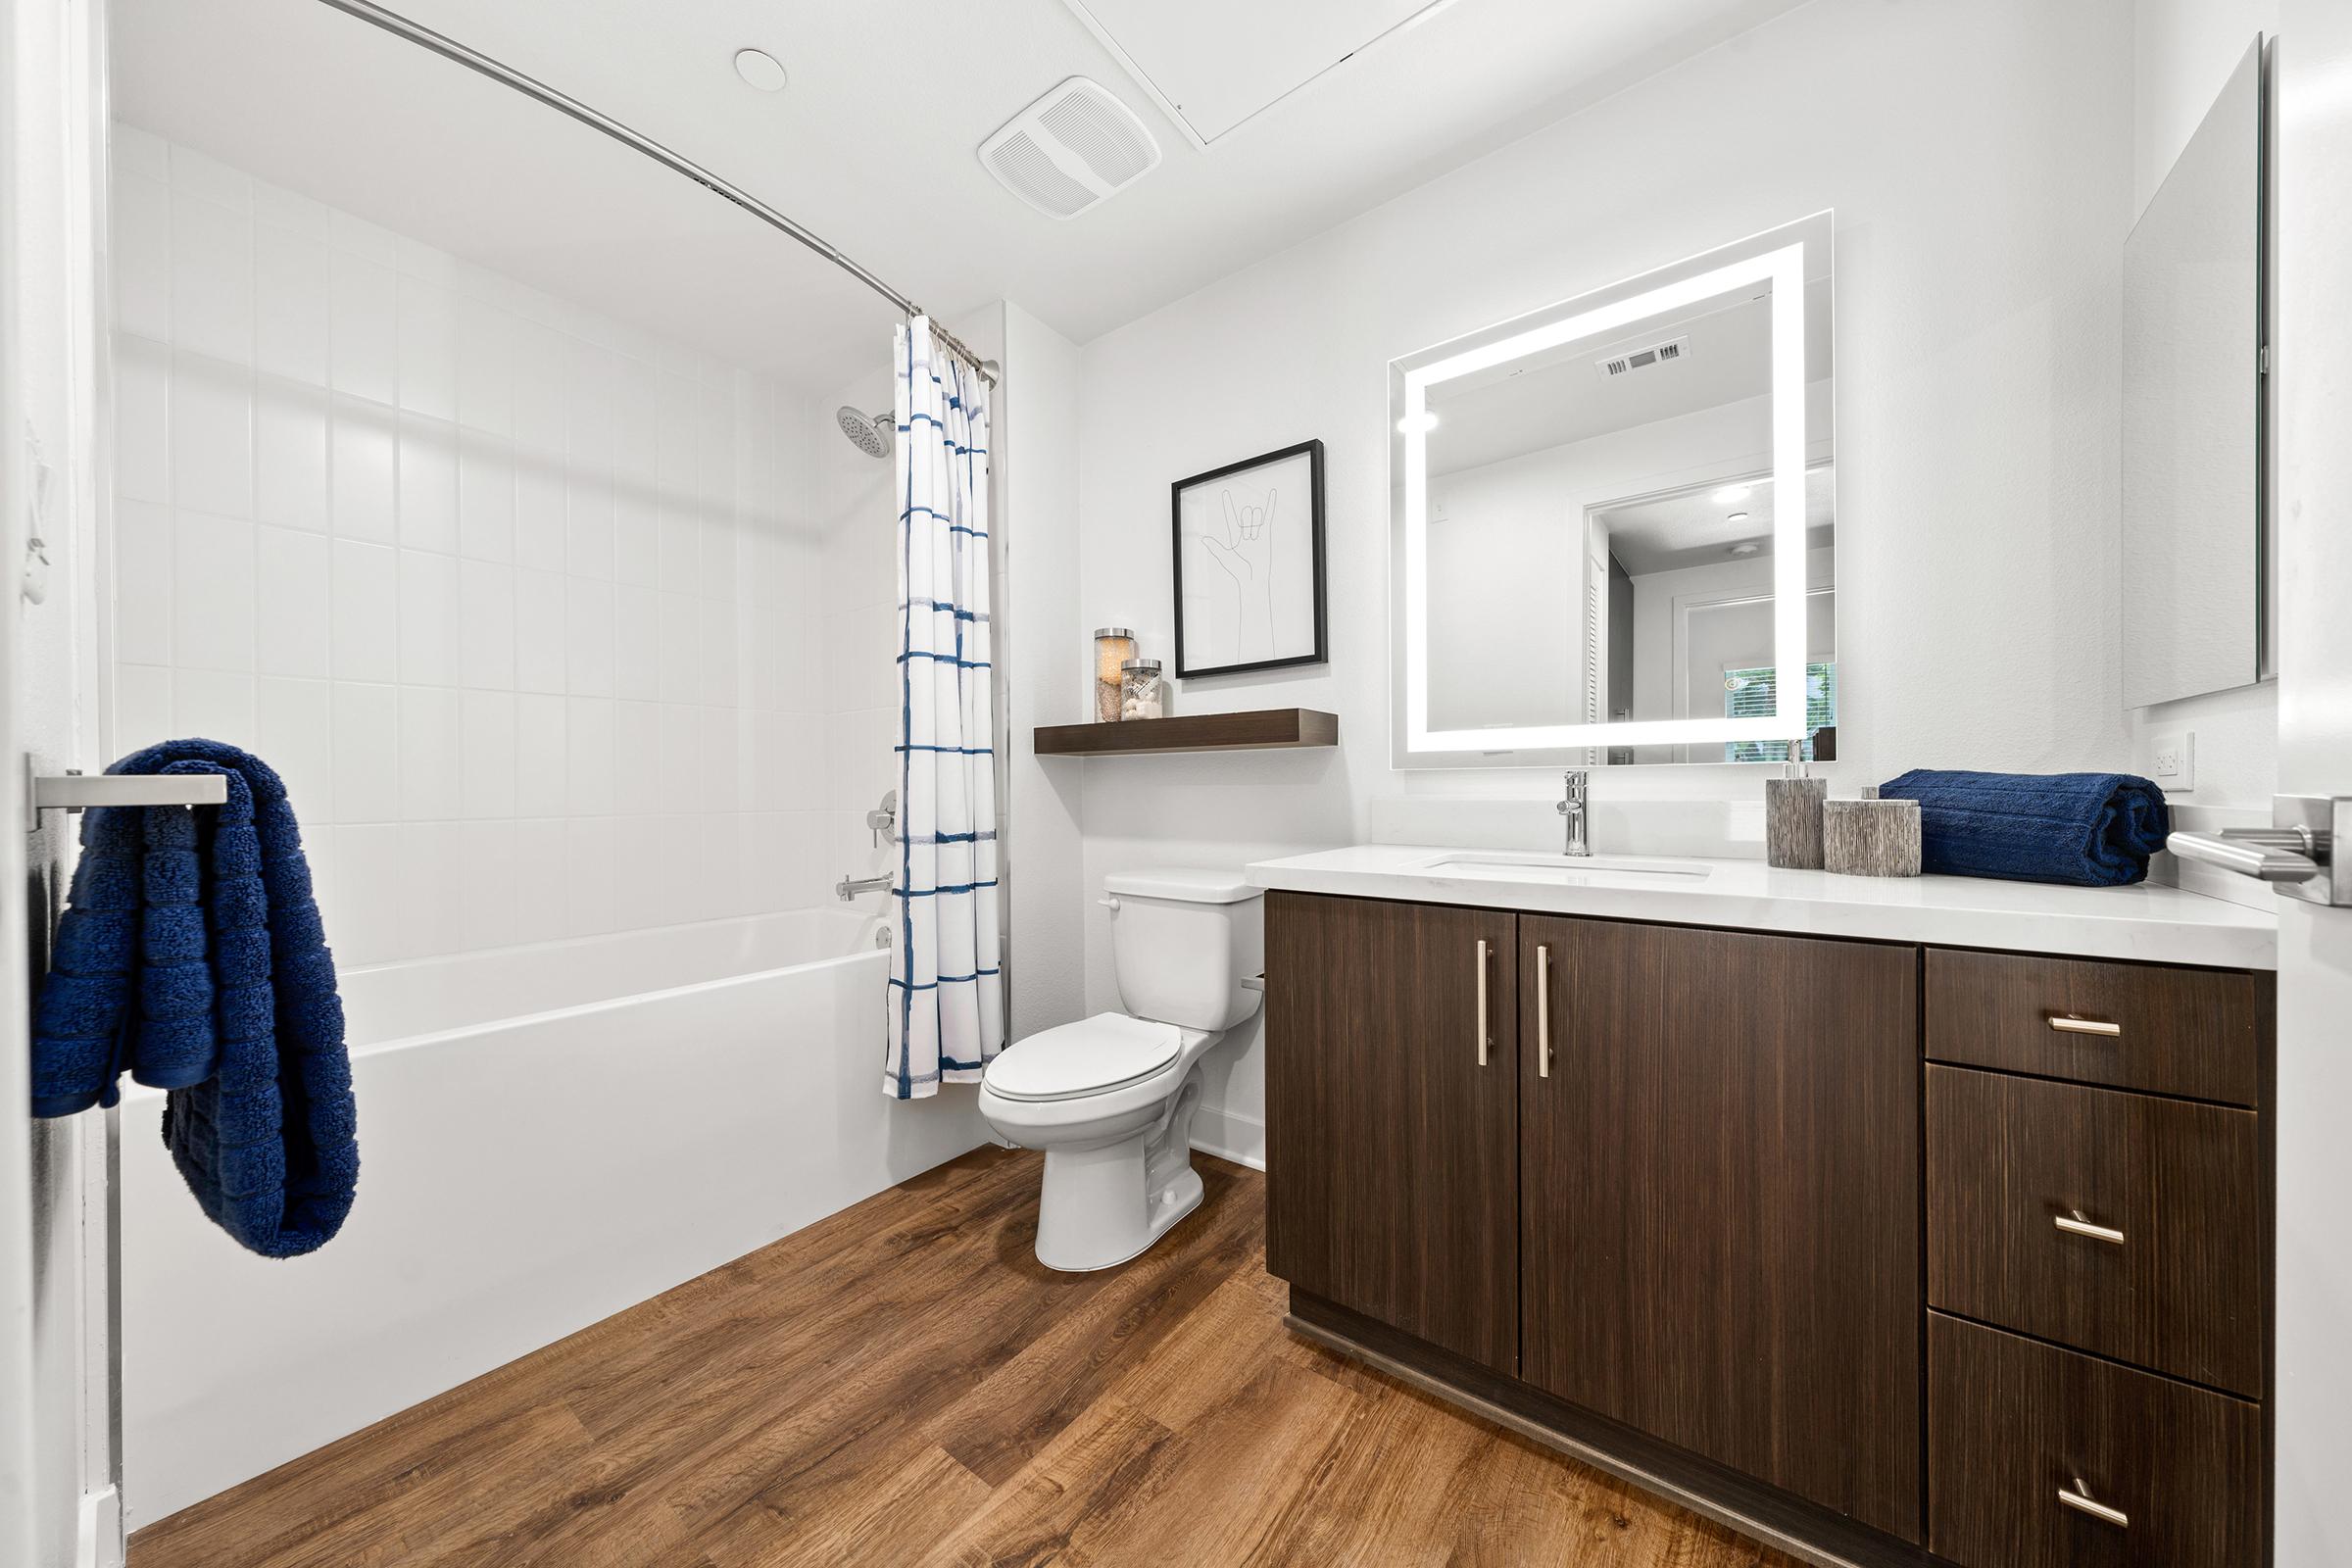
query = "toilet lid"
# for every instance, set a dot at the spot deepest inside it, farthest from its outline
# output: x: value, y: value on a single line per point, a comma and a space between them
x: 1084, y: 1057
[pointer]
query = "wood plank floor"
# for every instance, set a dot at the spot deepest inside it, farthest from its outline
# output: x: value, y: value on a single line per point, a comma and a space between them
x: 903, y: 1384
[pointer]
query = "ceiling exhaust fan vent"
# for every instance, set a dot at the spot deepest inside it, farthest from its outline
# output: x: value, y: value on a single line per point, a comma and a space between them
x: 1643, y: 358
x: 1070, y: 149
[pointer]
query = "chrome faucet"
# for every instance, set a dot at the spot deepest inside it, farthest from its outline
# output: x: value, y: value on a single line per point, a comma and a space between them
x: 1575, y: 810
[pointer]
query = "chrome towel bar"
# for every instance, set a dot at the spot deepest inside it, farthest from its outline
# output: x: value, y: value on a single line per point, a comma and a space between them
x: 74, y: 791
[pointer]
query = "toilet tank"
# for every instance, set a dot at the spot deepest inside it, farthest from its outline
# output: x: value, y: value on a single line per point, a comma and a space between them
x: 1183, y: 941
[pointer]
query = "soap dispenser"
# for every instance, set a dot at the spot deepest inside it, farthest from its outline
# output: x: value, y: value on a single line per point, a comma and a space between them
x: 1792, y: 813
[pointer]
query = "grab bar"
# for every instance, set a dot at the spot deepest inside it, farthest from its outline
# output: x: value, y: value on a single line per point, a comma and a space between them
x: 849, y: 887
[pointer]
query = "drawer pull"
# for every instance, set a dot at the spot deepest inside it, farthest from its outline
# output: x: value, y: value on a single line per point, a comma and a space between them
x: 2073, y: 1224
x: 1542, y: 1009
x: 1482, y: 1002
x: 2069, y: 1024
x: 2081, y: 1500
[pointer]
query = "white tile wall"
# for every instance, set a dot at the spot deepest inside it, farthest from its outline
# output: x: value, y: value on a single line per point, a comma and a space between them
x: 518, y: 600
x: 854, y: 643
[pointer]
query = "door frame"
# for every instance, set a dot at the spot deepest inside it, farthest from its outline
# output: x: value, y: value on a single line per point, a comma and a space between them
x: 2311, y: 343
x: 60, y: 1343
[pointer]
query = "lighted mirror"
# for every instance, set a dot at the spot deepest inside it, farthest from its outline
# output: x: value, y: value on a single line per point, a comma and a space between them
x: 1615, y: 533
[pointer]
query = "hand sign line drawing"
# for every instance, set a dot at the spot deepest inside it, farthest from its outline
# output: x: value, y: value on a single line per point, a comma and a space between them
x: 1246, y: 554
x: 1247, y: 549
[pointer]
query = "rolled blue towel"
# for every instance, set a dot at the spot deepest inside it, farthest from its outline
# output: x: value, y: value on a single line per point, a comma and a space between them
x: 2089, y: 829
x: 191, y: 955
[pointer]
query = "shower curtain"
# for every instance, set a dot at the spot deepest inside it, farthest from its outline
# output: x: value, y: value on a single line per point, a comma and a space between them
x: 947, y: 1007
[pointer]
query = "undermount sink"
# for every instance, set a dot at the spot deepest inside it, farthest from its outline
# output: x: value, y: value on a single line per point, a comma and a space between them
x: 1516, y: 865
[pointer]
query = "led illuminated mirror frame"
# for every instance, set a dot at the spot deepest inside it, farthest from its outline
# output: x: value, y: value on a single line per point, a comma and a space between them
x: 1614, y: 529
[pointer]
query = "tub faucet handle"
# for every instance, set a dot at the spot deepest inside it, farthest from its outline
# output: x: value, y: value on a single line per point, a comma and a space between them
x: 883, y: 821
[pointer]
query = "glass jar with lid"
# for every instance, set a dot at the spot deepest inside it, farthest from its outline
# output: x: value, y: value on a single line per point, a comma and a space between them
x: 1113, y: 647
x: 1140, y: 689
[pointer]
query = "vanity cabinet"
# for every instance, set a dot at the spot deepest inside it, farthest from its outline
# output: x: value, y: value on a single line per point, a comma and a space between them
x: 1882, y: 1251
x: 1719, y: 1214
x: 1397, y: 1136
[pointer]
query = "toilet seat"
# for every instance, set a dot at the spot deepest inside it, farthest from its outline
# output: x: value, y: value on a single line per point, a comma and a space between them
x: 1093, y: 1056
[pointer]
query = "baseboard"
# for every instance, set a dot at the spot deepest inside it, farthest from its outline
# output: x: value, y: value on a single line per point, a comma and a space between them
x: 1230, y: 1136
x: 98, y: 1535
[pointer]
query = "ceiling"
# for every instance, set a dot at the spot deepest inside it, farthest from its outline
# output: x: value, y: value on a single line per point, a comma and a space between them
x: 1691, y: 528
x: 1560, y: 395
x: 1186, y: 62
x: 871, y: 146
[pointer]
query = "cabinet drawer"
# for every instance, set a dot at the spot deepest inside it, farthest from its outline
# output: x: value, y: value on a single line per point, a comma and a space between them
x: 2012, y: 1424
x: 2191, y: 1032
x: 2158, y: 1261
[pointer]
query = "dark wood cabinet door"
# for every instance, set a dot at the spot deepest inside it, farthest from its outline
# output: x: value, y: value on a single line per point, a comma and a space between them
x: 1391, y: 1169
x: 1720, y: 1199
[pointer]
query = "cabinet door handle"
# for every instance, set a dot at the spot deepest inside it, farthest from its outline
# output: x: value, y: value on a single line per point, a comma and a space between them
x: 2073, y: 1224
x: 1482, y: 1002
x: 2069, y: 1024
x: 1542, y: 1009
x: 2078, y: 1497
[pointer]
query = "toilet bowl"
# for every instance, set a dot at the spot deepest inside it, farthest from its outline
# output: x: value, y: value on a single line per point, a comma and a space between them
x: 1110, y: 1099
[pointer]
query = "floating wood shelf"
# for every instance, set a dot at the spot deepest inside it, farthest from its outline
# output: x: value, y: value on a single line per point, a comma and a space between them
x: 1265, y: 729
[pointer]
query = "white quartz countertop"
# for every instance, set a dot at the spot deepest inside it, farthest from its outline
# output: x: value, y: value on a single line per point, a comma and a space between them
x: 2150, y: 924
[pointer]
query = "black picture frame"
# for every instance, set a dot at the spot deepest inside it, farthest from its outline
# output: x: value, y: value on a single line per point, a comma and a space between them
x: 1313, y: 452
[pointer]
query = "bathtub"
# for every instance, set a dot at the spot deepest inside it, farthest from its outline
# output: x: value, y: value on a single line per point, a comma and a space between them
x: 547, y: 1135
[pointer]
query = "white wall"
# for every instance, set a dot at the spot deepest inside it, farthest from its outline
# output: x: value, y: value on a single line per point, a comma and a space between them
x: 1507, y: 578
x: 1045, y: 673
x: 1979, y: 156
x: 520, y: 601
x: 2181, y: 52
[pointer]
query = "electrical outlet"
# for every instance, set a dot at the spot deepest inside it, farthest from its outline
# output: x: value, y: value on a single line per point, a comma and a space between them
x: 2176, y: 760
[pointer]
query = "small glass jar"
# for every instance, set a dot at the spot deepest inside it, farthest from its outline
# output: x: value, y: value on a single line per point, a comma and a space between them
x: 1140, y: 689
x: 1113, y: 647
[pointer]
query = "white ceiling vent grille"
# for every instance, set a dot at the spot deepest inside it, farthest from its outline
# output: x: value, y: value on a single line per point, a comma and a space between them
x: 1642, y: 358
x: 1070, y: 149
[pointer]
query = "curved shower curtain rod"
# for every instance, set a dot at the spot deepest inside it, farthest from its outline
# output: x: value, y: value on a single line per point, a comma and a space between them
x: 449, y: 48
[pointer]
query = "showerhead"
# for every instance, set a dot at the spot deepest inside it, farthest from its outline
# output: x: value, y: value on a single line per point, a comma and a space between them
x: 870, y: 433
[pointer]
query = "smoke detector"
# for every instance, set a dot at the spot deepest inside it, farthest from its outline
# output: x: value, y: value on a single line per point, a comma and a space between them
x: 1071, y: 149
x: 1642, y: 358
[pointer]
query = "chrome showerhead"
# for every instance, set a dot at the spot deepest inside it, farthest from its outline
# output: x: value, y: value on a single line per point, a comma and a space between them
x: 870, y: 433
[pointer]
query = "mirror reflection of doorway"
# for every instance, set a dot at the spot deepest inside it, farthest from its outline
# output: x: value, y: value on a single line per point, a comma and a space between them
x: 1686, y: 611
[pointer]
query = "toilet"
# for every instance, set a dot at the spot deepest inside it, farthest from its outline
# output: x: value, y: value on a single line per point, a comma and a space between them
x: 1110, y: 1098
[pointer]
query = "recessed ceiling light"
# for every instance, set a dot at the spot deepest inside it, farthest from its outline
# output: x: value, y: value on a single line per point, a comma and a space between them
x: 760, y: 69
x: 1744, y: 548
x: 1729, y: 493
x: 1736, y: 516
x: 1417, y: 424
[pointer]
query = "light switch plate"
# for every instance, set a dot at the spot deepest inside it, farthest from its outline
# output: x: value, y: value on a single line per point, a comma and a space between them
x: 2176, y: 760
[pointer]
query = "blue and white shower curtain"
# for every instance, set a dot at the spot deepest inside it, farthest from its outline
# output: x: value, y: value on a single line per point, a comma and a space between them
x: 947, y: 1003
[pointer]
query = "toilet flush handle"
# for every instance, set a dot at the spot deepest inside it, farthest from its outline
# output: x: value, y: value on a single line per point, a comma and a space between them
x: 1112, y: 904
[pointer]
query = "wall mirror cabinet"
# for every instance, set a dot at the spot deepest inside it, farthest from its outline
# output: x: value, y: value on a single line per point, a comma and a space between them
x: 1614, y: 532
x: 2197, y: 557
